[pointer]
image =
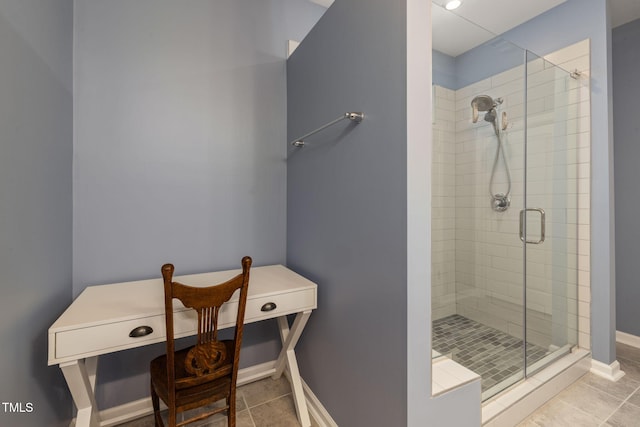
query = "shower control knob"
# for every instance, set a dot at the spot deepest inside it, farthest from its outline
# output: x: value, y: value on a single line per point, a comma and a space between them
x: 501, y: 202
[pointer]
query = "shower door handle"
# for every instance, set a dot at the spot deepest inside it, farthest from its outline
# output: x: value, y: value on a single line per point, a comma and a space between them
x: 542, y: 225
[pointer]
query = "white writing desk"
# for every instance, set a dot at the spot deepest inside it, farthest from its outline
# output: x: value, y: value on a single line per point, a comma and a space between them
x: 100, y: 320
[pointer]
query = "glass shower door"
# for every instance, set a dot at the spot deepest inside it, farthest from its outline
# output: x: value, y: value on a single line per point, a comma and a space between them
x: 548, y: 224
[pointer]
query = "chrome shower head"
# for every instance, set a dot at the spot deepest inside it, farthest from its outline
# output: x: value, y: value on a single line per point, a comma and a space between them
x: 484, y: 103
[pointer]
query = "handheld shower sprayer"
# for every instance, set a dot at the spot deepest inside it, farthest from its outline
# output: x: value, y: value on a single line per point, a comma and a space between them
x: 485, y: 103
x: 490, y: 116
x: 500, y: 201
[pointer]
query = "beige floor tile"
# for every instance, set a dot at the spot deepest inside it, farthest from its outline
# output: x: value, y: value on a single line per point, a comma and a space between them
x: 589, y: 400
x: 140, y: 422
x: 265, y: 403
x: 627, y: 416
x: 529, y: 423
x: 264, y: 390
x: 243, y: 419
x: 621, y: 389
x: 595, y: 397
x: 280, y: 412
x: 635, y: 398
x: 631, y: 368
x: 561, y: 414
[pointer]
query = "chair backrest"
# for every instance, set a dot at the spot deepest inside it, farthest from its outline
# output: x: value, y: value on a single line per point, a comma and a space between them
x: 208, y: 354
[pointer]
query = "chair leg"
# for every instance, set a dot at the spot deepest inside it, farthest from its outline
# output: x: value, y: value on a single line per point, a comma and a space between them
x: 156, y: 407
x: 231, y: 413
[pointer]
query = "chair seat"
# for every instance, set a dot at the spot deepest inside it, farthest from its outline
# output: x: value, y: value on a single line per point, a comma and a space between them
x: 206, y: 388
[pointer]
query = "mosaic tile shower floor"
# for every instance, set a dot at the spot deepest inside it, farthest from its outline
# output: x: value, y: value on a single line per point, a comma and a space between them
x: 491, y: 353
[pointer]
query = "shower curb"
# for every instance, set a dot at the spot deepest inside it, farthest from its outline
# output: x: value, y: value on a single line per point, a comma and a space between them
x: 513, y: 406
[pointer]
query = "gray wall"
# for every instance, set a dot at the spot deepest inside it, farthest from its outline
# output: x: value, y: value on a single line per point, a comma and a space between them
x: 626, y: 93
x: 358, y: 216
x: 36, y: 113
x: 180, y: 123
x: 347, y: 209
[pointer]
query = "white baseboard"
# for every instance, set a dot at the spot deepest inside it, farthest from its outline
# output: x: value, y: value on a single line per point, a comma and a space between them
x: 316, y: 409
x: 127, y: 412
x: 610, y: 372
x: 143, y: 407
x: 256, y: 372
x: 628, y: 339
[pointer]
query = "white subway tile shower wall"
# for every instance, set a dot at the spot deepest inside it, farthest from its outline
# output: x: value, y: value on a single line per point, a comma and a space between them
x: 443, y: 280
x: 487, y: 253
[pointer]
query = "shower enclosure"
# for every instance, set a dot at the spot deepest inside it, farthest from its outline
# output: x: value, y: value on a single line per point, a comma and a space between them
x: 510, y: 208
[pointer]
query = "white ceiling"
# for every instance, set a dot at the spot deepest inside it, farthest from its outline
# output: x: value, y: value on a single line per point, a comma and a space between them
x: 454, y: 34
x: 474, y: 23
x: 623, y: 11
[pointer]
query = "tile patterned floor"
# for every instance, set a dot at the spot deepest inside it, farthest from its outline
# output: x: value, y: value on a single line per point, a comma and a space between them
x: 264, y: 403
x: 492, y: 354
x: 591, y: 401
x: 594, y: 401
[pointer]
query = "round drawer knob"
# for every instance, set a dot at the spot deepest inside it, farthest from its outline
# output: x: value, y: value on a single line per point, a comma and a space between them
x: 269, y: 306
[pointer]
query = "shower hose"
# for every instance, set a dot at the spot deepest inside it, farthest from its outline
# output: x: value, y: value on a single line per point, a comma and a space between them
x: 499, y: 150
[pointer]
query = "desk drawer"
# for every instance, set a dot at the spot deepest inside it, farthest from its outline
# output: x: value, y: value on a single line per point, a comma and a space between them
x: 281, y: 304
x: 260, y: 308
x: 107, y: 336
x: 111, y: 337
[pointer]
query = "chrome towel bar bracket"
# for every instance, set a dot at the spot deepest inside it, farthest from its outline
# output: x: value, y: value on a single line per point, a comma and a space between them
x: 356, y: 117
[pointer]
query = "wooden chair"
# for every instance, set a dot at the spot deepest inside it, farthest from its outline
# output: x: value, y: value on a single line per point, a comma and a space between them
x: 207, y: 371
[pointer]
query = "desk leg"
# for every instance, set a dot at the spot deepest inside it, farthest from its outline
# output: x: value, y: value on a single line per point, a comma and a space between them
x: 91, y: 364
x: 287, y: 358
x: 81, y: 381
